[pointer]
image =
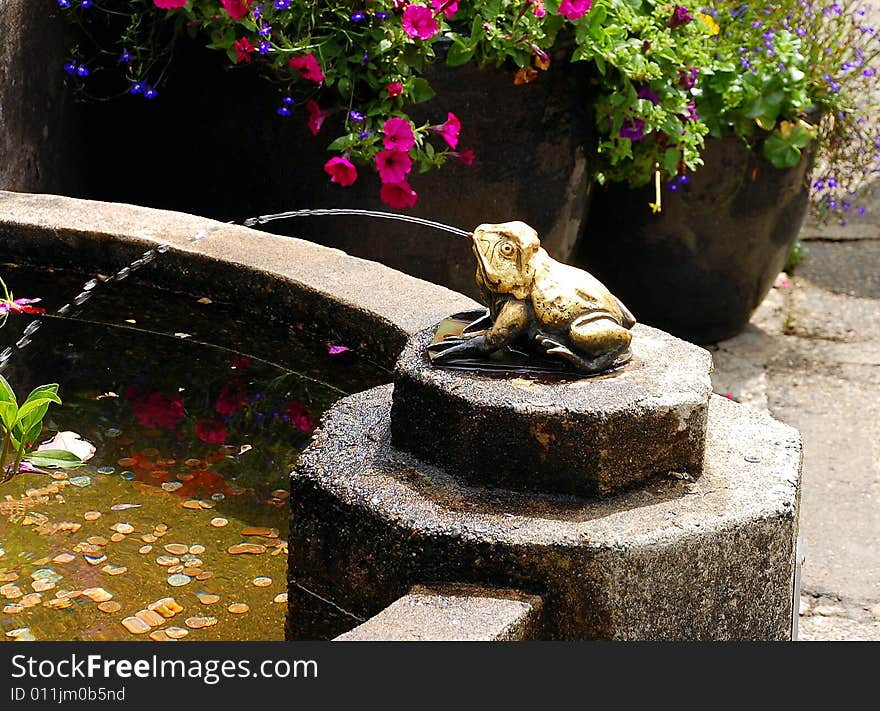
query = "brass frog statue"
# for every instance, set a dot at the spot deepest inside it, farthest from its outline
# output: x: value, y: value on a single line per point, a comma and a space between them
x: 539, y: 305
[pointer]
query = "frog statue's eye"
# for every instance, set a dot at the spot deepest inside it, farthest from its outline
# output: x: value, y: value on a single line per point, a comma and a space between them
x: 506, y: 249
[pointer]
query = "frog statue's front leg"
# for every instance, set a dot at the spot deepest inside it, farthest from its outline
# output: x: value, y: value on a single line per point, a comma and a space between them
x: 512, y: 321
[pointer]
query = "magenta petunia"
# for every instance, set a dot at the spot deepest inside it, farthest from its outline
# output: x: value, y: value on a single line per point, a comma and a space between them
x: 449, y: 130
x: 646, y: 93
x: 316, y: 116
x: 341, y: 171
x: 398, y: 135
x: 211, y: 431
x: 308, y: 68
x: 448, y: 7
x: 21, y: 306
x: 236, y: 9
x: 574, y: 9
x: 335, y: 350
x: 243, y: 49
x: 393, y: 166
x: 398, y: 195
x: 465, y: 157
x: 395, y: 88
x: 169, y: 4
x: 419, y: 22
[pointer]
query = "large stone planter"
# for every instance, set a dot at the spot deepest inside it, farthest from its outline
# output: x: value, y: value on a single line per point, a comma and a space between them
x: 700, y: 267
x: 211, y: 144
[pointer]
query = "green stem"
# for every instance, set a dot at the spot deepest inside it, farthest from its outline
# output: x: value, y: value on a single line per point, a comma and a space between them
x: 19, y: 455
x: 3, y: 456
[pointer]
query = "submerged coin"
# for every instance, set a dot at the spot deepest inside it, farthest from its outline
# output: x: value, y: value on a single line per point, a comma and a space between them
x: 282, y: 494
x: 192, y: 462
x: 8, y: 577
x: 127, y: 462
x: 206, y: 504
x: 176, y: 632
x: 246, y: 548
x: 117, y: 538
x: 171, y: 485
x: 238, y: 608
x: 124, y: 528
x: 59, y: 603
x: 145, y: 549
x: 280, y: 597
x: 218, y: 496
x: 12, y: 608
x: 106, y: 470
x: 111, y: 569
x: 113, y: 432
x: 160, y: 636
x: 128, y: 475
x: 151, y: 617
x: 161, y: 527
x: 32, y: 600
x: 167, y: 560
x: 219, y: 522
x: 260, y: 531
x: 42, y: 585
x: 97, y: 594
x: 204, y: 575
x: 95, y: 559
x: 262, y: 581
x: 110, y: 606
x: 167, y: 607
x: 148, y: 538
x: 80, y: 481
x: 135, y: 625
x: 176, y: 548
x: 178, y: 580
x: 191, y: 504
x: 207, y: 598
x: 63, y: 558
x: 197, y: 549
x: 97, y: 540
x: 198, y: 623
x: 175, y: 569
x: 92, y: 515
x: 22, y: 634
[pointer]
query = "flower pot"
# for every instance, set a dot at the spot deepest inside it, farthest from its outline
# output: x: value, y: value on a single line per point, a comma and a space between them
x: 211, y: 144
x: 699, y: 268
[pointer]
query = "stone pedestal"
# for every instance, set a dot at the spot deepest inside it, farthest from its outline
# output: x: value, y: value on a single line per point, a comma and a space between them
x: 588, y: 436
x: 679, y: 558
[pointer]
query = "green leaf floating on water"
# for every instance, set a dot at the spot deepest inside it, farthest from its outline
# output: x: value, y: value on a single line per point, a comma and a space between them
x: 54, y: 458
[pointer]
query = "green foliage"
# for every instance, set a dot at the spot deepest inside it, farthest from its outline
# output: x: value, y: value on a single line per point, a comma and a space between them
x: 20, y: 427
x: 796, y: 257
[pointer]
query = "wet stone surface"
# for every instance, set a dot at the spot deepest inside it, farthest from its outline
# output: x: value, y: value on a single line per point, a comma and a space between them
x: 590, y: 436
x: 711, y: 558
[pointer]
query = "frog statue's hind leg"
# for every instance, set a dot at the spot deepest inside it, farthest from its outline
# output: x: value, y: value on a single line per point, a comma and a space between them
x: 597, y: 342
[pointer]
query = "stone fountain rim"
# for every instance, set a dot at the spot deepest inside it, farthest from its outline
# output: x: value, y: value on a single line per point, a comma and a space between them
x: 365, y: 302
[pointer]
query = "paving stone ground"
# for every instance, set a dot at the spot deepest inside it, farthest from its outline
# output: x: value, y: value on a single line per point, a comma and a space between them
x: 811, y: 357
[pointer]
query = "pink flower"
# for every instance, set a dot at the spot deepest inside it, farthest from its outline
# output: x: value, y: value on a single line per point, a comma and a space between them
x: 395, y: 88
x: 335, y: 350
x: 243, y: 49
x: 398, y: 135
x: 316, y: 116
x: 21, y: 306
x: 341, y: 171
x: 299, y: 416
x: 169, y: 4
x: 158, y: 410
x: 211, y: 431
x: 308, y: 68
x: 466, y: 157
x: 393, y: 166
x: 539, y: 8
x: 449, y: 7
x: 419, y: 22
x: 231, y: 397
x: 449, y: 130
x: 574, y: 9
x: 236, y: 9
x: 398, y: 195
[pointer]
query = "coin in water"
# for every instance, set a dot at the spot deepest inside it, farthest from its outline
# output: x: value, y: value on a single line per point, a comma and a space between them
x: 92, y: 515
x: 178, y: 579
x: 110, y: 606
x: 145, y: 549
x: 219, y: 522
x: 167, y: 560
x: 135, y: 625
x: 176, y: 548
x: 198, y: 623
x: 207, y: 598
x: 262, y: 581
x: 63, y: 558
x: 238, y: 608
x: 176, y: 632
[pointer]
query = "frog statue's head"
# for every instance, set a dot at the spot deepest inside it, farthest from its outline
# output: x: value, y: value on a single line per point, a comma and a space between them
x: 506, y: 258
